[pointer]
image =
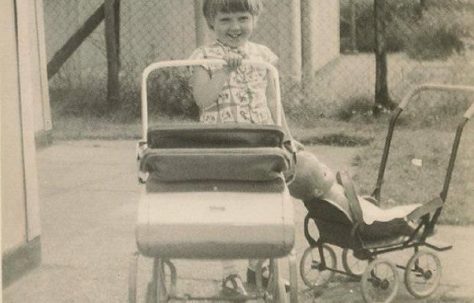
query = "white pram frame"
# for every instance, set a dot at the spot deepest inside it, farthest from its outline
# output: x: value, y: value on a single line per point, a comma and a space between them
x: 162, y: 288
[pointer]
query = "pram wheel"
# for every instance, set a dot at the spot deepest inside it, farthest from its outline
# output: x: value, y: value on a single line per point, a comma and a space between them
x: 351, y: 264
x: 380, y: 282
x: 315, y: 265
x: 276, y: 286
x: 158, y: 289
x: 423, y: 274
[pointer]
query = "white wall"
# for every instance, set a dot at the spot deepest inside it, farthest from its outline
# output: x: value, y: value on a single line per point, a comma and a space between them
x: 326, y: 39
x: 19, y: 182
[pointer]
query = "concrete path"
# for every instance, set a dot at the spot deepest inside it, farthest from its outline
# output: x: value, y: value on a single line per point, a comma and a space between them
x: 89, y: 194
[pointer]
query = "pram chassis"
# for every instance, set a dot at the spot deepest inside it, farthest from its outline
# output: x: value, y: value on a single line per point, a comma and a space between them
x: 364, y: 250
x: 160, y: 288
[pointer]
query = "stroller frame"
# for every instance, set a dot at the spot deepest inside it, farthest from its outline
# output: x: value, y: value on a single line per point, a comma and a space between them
x: 162, y: 289
x: 369, y: 251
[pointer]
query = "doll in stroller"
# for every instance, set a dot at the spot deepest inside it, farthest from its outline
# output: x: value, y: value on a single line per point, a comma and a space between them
x: 366, y: 232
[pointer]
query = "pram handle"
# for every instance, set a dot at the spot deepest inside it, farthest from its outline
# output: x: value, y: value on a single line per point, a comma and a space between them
x: 408, y: 97
x: 179, y: 63
x: 468, y: 114
x: 436, y: 87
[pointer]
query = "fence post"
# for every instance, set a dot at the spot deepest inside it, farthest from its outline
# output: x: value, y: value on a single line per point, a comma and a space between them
x: 353, y: 25
x: 382, y: 96
x: 307, y: 37
x: 111, y: 8
x: 296, y: 65
x: 200, y: 22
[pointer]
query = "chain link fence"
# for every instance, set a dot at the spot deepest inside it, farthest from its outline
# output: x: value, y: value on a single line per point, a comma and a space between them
x: 325, y: 49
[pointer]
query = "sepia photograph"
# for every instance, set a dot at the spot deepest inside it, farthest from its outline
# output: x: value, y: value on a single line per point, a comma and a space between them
x: 237, y: 151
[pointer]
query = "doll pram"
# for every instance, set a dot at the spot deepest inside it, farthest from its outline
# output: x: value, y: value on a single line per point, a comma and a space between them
x: 365, y: 243
x: 213, y: 192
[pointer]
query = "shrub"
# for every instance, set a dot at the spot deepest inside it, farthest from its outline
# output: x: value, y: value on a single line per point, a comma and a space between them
x: 365, y: 34
x: 434, y: 33
x: 437, y: 35
x: 356, y: 107
x: 170, y: 94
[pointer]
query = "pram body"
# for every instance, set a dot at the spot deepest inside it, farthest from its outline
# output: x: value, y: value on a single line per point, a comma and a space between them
x: 367, y: 243
x: 213, y: 192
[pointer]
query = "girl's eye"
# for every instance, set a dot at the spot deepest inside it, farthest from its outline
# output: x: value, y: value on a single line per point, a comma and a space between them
x: 243, y: 19
x: 224, y: 20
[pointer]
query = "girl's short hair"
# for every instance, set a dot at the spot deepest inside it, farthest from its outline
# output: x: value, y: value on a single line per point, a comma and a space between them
x: 210, y: 8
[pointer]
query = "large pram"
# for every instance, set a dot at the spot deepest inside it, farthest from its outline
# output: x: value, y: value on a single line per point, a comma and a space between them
x: 363, y: 244
x: 213, y: 192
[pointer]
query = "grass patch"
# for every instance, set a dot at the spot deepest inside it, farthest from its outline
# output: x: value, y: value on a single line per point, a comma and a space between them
x: 76, y: 128
x: 338, y: 139
x: 406, y: 183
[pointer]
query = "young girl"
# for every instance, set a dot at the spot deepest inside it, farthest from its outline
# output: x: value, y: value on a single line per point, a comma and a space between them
x: 234, y: 92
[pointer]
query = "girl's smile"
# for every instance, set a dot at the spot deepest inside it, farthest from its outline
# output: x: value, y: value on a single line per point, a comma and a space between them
x: 234, y: 29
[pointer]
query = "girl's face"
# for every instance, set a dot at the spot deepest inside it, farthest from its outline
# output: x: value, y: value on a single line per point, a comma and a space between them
x: 234, y: 29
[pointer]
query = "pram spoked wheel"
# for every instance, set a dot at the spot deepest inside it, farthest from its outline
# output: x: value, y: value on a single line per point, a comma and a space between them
x: 314, y: 269
x: 380, y: 282
x: 158, y: 288
x: 351, y: 264
x: 276, y: 292
x: 423, y: 274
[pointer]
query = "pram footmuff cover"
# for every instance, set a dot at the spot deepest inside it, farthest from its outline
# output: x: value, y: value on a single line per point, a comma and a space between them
x: 215, y: 191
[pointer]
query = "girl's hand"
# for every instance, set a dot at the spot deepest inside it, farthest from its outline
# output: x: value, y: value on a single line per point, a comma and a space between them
x: 233, y: 61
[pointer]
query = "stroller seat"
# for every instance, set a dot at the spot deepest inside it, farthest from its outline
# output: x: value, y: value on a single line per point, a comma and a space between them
x: 348, y: 221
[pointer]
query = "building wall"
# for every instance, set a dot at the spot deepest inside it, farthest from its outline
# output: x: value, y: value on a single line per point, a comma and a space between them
x: 19, y: 184
x: 326, y: 39
x: 33, y: 37
x: 13, y: 194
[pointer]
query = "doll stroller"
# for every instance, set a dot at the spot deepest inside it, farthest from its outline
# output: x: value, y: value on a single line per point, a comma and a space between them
x: 364, y: 245
x: 207, y: 194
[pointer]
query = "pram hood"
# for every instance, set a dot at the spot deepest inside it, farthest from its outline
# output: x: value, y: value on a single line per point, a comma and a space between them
x: 227, y: 135
x: 216, y: 152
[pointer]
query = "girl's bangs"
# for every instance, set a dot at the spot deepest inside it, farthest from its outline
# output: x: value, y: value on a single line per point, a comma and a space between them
x: 234, y: 6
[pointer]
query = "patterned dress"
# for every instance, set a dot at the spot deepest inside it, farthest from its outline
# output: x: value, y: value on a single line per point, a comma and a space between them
x: 243, y: 97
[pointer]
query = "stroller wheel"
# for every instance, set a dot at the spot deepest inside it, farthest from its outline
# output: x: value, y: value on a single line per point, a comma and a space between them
x: 423, y: 274
x: 163, y: 281
x: 351, y: 264
x: 276, y: 285
x: 315, y: 269
x: 379, y: 282
x: 132, y: 279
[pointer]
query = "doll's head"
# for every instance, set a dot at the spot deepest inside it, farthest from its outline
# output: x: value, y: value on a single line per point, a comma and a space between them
x: 313, y: 178
x: 233, y: 21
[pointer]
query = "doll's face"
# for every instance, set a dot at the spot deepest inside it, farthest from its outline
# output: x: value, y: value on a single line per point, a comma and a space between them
x: 323, y: 179
x: 313, y: 178
x: 234, y: 29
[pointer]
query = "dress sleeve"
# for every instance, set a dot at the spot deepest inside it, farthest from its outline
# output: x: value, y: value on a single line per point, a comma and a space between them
x: 197, y: 54
x: 269, y: 56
